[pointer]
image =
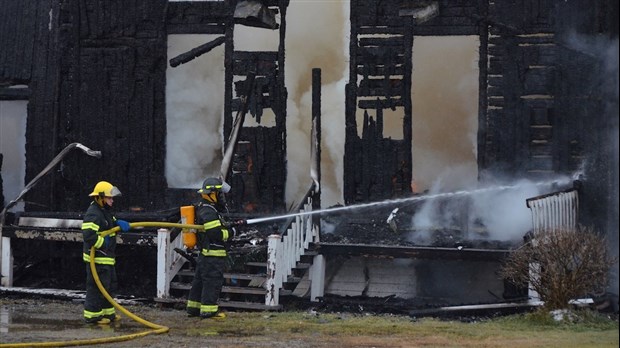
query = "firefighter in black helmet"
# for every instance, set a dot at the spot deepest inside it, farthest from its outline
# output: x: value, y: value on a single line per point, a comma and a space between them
x: 98, y: 218
x: 212, y: 245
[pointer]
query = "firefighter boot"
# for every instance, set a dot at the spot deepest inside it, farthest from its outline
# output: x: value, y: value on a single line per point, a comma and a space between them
x: 115, y: 319
x: 219, y: 316
x: 103, y: 321
x: 216, y: 315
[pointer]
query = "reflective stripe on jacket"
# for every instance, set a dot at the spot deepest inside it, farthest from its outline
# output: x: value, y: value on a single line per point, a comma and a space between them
x: 212, y: 239
x: 96, y: 220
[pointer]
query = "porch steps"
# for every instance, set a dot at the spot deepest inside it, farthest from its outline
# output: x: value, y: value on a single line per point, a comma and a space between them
x: 241, y: 290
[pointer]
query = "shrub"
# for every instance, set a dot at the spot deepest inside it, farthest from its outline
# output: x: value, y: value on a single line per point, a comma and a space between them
x: 561, y: 265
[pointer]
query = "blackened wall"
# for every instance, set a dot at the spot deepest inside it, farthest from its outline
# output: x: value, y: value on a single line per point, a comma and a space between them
x: 550, y: 105
x: 550, y: 101
x: 20, y: 28
x: 96, y: 70
x: 29, y: 56
x: 380, y: 69
x: 588, y: 91
x: 112, y: 57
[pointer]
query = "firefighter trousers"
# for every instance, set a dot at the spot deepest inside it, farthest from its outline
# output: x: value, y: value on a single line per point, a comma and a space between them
x: 206, y: 286
x: 96, y: 306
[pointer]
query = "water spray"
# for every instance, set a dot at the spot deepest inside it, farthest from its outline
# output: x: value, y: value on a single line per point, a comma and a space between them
x: 460, y: 193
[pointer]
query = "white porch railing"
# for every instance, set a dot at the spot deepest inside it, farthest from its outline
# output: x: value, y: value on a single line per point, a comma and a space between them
x: 284, y: 251
x: 551, y: 211
x: 169, y: 262
x: 554, y: 210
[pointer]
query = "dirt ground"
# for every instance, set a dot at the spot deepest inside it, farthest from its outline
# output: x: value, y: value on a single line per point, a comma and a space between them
x: 45, y: 322
x: 41, y: 321
x: 34, y: 321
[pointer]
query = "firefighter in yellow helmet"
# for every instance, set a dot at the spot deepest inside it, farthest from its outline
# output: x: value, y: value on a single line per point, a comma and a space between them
x: 212, y: 244
x: 99, y: 218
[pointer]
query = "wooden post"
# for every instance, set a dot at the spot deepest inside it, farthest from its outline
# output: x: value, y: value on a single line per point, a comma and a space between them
x: 7, y: 263
x: 317, y: 278
x: 163, y: 263
x: 273, y: 288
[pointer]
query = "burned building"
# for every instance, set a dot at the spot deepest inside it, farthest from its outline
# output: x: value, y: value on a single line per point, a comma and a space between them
x: 94, y: 73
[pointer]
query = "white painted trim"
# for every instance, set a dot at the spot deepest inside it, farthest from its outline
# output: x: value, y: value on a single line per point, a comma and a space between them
x: 6, y: 267
x: 49, y: 222
x: 169, y: 262
x: 163, y: 263
x: 317, y: 278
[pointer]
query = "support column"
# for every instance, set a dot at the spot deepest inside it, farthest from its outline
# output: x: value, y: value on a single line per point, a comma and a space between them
x: 273, y: 283
x: 163, y: 263
x: 317, y: 278
x: 7, y: 263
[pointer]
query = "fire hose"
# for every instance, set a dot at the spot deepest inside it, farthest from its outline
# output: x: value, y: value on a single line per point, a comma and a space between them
x: 156, y: 329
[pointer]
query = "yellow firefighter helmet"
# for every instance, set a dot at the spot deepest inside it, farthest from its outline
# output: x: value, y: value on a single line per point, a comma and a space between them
x: 105, y: 189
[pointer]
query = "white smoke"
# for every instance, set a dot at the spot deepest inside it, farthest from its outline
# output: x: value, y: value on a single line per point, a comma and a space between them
x: 13, y: 149
x: 491, y: 211
x: 326, y: 49
x: 504, y: 213
x: 194, y: 111
x: 444, y: 95
x: 195, y: 98
x: 445, y: 110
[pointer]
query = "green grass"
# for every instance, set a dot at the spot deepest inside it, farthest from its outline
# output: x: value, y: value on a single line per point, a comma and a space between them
x: 537, y: 329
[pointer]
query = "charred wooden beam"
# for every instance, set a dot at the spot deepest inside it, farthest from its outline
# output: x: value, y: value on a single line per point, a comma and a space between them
x: 15, y: 93
x: 231, y: 142
x: 260, y: 164
x: 338, y: 249
x: 196, y: 52
x: 67, y: 294
x: 253, y: 13
x: 315, y: 151
x: 64, y: 235
x: 380, y: 70
x: 379, y: 103
x: 198, y: 17
x: 420, y: 11
x: 169, y: 215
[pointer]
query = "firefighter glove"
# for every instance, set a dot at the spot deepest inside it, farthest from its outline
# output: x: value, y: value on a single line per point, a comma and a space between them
x: 124, y: 225
x: 106, y: 242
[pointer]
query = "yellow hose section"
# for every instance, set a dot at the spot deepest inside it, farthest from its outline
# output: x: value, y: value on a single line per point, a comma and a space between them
x: 157, y: 329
